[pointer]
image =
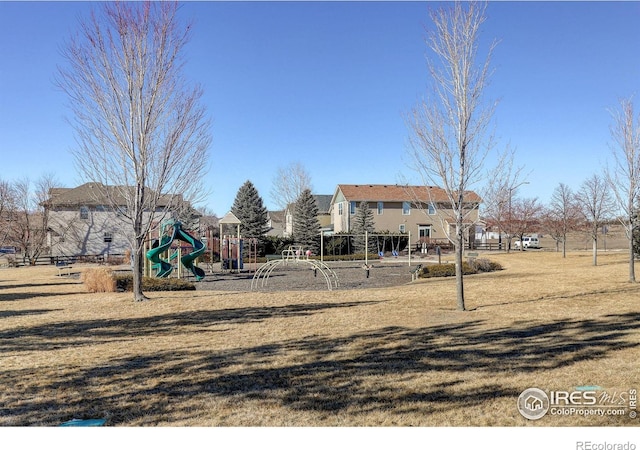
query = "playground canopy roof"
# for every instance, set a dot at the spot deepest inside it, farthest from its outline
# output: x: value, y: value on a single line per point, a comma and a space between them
x: 230, y: 219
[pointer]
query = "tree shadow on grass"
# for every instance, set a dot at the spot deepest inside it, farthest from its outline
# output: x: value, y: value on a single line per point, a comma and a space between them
x: 18, y: 296
x: 76, y: 332
x: 25, y: 312
x: 67, y: 281
x: 630, y: 289
x: 389, y: 369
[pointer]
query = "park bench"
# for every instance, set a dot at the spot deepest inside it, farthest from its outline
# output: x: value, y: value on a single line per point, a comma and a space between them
x: 272, y: 257
x: 415, y: 272
x: 64, y: 268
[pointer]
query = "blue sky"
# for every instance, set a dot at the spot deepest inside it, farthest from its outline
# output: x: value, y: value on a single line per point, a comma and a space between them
x: 328, y: 84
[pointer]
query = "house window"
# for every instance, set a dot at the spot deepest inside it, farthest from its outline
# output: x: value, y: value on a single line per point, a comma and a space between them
x: 84, y: 213
x: 406, y: 208
x: 339, y: 209
x: 402, y: 228
x: 108, y: 237
x: 352, y: 208
x: 380, y: 208
x: 431, y: 209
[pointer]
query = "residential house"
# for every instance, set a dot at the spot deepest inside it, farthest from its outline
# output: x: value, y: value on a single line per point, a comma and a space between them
x: 324, y: 214
x: 275, y: 222
x: 423, y: 211
x: 82, y: 222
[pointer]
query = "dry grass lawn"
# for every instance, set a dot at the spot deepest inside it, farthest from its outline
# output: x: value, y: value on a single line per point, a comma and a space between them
x: 398, y: 356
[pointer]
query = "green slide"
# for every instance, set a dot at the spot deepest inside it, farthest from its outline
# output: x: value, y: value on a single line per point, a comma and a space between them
x: 198, y: 249
x: 163, y: 267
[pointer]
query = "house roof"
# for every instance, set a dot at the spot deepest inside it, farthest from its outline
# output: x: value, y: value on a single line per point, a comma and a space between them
x: 276, y: 216
x: 93, y: 194
x: 398, y: 193
x: 324, y: 203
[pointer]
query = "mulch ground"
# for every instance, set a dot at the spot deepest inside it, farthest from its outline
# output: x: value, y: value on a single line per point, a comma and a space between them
x: 300, y: 276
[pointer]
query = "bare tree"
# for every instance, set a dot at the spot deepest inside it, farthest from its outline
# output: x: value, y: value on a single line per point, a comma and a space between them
x: 289, y: 183
x: 525, y: 217
x: 209, y: 220
x: 448, y: 130
x: 30, y: 218
x: 563, y: 215
x: 624, y: 177
x: 141, y: 131
x: 502, y: 184
x: 7, y: 209
x: 596, y: 204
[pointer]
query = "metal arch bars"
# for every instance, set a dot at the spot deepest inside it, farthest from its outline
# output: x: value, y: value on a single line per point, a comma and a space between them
x: 264, y: 272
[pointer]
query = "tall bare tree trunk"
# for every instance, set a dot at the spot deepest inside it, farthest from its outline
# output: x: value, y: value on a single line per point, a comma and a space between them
x: 632, y: 256
x: 449, y: 129
x: 625, y: 179
x: 143, y: 136
x: 138, y: 261
x: 459, y: 248
x: 632, y: 268
x: 138, y: 266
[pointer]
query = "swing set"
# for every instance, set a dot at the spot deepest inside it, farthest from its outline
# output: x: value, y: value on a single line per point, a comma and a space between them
x: 385, y: 242
x: 395, y: 248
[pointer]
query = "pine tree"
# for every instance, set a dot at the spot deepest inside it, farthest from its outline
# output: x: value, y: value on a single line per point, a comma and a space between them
x: 306, y: 226
x: 362, y: 221
x: 249, y: 208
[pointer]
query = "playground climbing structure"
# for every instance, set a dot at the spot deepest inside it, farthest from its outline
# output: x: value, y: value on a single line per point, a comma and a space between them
x: 261, y: 277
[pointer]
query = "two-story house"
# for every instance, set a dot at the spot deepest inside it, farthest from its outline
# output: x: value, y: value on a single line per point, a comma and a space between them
x: 82, y: 222
x: 423, y: 211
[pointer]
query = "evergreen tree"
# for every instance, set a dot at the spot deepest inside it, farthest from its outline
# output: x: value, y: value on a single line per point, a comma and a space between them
x: 362, y: 221
x: 249, y: 208
x: 306, y: 226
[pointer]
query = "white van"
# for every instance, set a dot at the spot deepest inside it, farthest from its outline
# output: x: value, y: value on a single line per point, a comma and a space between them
x: 528, y: 242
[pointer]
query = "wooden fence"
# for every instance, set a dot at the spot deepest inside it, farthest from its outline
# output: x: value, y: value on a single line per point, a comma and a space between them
x: 20, y: 261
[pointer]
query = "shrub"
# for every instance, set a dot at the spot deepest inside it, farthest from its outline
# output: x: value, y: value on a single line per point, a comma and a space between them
x: 486, y: 265
x: 446, y: 270
x: 125, y: 283
x: 99, y: 279
x: 480, y: 265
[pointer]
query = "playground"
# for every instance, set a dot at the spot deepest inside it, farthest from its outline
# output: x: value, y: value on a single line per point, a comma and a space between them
x: 368, y: 356
x: 291, y: 270
x: 301, y: 276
